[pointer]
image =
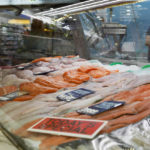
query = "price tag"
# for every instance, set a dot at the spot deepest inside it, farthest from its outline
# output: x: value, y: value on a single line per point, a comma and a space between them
x: 73, y: 95
x: 101, y: 107
x: 83, y: 128
x: 12, y: 96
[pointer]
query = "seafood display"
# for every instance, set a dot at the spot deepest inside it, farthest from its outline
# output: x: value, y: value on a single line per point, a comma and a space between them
x: 61, y: 86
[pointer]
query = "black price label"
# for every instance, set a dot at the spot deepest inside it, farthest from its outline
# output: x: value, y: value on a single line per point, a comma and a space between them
x: 73, y: 95
x: 101, y: 107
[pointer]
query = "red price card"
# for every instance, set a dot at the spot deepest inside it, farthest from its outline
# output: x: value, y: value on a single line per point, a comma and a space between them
x: 83, y: 128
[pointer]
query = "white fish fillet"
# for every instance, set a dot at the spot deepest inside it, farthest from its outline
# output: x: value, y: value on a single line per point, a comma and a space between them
x: 25, y: 74
x: 13, y: 80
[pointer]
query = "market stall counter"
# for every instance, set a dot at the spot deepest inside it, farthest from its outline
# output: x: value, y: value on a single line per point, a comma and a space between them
x: 65, y: 102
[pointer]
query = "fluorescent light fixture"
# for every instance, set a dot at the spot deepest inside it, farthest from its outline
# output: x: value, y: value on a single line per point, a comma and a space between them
x: 78, y: 7
x: 82, y: 6
x: 66, y: 7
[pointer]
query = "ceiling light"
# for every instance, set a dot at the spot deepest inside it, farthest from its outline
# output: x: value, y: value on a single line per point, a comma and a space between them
x: 91, y: 4
x: 73, y: 5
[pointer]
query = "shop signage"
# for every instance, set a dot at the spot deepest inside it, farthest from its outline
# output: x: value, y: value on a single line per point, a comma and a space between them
x: 82, y: 128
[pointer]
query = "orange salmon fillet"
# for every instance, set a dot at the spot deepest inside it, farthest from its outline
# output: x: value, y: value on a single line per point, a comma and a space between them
x: 46, y: 59
x: 70, y: 56
x: 98, y: 73
x: 87, y: 69
x: 75, y: 76
x: 54, y: 82
x: 7, y: 90
x: 23, y: 98
x: 36, y: 89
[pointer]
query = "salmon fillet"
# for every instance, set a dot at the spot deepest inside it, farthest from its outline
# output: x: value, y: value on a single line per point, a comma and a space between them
x: 46, y: 59
x: 87, y: 68
x: 7, y: 90
x: 23, y: 98
x: 54, y: 82
x: 75, y: 76
x: 98, y: 73
x: 36, y: 89
x: 127, y: 119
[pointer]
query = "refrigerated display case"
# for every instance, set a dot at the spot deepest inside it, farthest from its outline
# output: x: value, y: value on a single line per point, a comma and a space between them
x: 90, y: 65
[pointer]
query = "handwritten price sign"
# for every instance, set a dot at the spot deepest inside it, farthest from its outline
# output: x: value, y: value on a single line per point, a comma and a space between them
x: 69, y: 127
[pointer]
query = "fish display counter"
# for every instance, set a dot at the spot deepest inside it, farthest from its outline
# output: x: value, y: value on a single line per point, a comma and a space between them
x: 114, y: 98
x: 82, y: 83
